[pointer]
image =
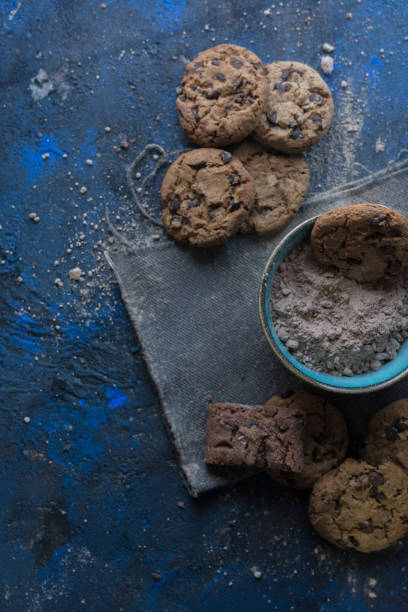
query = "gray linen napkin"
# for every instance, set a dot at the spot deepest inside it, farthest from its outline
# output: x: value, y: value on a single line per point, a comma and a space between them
x: 195, y: 314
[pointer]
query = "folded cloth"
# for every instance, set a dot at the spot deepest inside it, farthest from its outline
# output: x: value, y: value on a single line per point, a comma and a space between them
x: 196, y: 316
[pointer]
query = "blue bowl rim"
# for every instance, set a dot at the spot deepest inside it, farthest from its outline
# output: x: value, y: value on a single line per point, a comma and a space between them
x: 271, y: 341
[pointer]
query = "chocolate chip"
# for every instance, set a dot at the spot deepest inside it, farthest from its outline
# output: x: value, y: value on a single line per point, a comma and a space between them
x: 297, y: 134
x: 193, y: 87
x: 212, y: 94
x: 250, y: 100
x: 272, y: 118
x: 236, y: 62
x: 240, y: 98
x: 179, y: 90
x: 249, y: 423
x: 233, y: 205
x: 225, y: 157
x: 238, y: 82
x: 292, y: 124
x: 375, y: 236
x: 393, y: 267
x: 198, y: 165
x: 379, y: 496
x: 396, y: 231
x: 391, y: 434
x: 285, y: 75
x: 234, y: 179
x: 277, y: 185
x: 378, y: 220
x: 353, y: 261
x: 366, y: 526
x: 279, y: 87
x: 375, y: 478
x: 320, y: 438
x: 198, y: 65
x: 287, y: 87
x: 354, y: 541
x: 193, y: 203
x: 282, y: 425
x: 318, y: 120
x: 215, y: 61
x: 287, y: 394
x: 387, y: 249
x: 173, y: 204
x: 194, y: 112
x: 220, y: 77
x: 317, y: 454
x: 401, y: 424
x: 231, y: 425
x: 315, y: 97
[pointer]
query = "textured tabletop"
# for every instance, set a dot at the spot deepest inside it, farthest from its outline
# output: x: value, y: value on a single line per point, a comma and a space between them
x: 93, y: 513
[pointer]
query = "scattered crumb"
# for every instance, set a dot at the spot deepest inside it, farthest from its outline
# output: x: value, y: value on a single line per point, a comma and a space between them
x: 19, y: 280
x: 124, y: 144
x: 34, y: 217
x: 327, y: 64
x: 89, y: 162
x: 181, y: 504
x: 257, y: 574
x: 45, y: 155
x: 327, y: 47
x: 27, y: 419
x: 75, y: 274
x: 156, y: 575
x: 343, y: 84
x: 209, y: 398
x: 103, y: 5
x: 83, y: 190
x: 372, y: 582
x: 379, y: 146
x: 242, y: 376
x: 58, y: 282
x: 349, y: 15
x: 107, y: 129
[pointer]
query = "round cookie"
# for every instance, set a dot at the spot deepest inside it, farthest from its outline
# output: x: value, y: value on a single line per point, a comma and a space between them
x: 365, y: 241
x: 361, y: 506
x: 206, y: 194
x: 281, y: 184
x: 299, y: 108
x: 387, y: 435
x: 222, y: 95
x: 325, y: 439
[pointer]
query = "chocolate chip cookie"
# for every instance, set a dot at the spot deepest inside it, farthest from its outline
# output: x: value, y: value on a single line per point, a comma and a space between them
x: 222, y: 95
x: 281, y: 184
x: 361, y: 506
x: 256, y: 436
x: 387, y: 435
x: 207, y: 194
x: 299, y: 108
x: 366, y: 242
x: 325, y: 439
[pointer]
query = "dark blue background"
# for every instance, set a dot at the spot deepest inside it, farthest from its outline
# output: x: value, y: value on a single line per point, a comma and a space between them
x: 90, y: 488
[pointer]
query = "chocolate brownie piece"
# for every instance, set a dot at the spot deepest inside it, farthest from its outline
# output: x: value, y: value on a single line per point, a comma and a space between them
x: 256, y: 436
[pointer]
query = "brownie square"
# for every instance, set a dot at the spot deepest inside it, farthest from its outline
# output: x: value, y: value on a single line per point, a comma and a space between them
x: 255, y: 436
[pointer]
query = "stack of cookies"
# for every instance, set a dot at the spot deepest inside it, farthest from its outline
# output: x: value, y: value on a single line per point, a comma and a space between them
x: 302, y: 441
x: 275, y: 112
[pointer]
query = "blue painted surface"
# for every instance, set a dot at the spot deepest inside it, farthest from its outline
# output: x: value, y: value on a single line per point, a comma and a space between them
x: 89, y: 510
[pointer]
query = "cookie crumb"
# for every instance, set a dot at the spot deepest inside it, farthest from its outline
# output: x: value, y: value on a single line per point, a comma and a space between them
x: 89, y: 162
x: 27, y: 419
x: 327, y: 47
x: 181, y: 504
x: 34, y: 217
x: 327, y: 64
x: 379, y: 146
x: 83, y: 190
x: 257, y: 574
x: 124, y: 144
x: 45, y: 155
x: 156, y: 576
x: 107, y: 129
x: 58, y: 282
x: 348, y: 15
x: 209, y: 398
x: 343, y: 84
x: 75, y: 274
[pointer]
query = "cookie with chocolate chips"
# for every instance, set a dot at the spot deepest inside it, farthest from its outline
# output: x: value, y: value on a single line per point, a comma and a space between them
x: 281, y: 184
x: 222, y: 95
x: 387, y: 435
x: 255, y: 436
x: 325, y: 438
x: 361, y: 506
x: 367, y: 242
x: 298, y: 110
x: 207, y: 194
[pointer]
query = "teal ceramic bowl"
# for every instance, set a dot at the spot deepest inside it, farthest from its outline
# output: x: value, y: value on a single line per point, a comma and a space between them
x: 387, y: 375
